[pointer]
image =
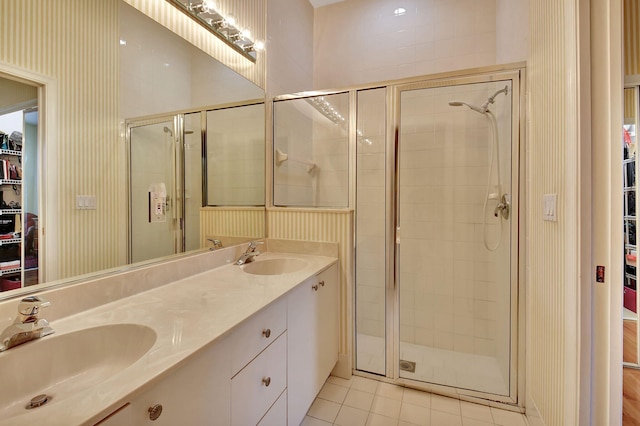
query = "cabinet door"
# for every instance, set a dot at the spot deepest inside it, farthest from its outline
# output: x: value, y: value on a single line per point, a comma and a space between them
x: 312, y: 328
x: 328, y: 318
x: 197, y: 393
x: 302, y: 351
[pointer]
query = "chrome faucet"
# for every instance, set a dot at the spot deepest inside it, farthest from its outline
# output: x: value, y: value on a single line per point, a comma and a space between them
x: 216, y: 243
x: 250, y: 253
x: 27, y: 325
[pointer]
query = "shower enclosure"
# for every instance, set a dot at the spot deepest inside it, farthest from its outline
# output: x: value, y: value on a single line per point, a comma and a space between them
x: 437, y: 219
x: 436, y: 166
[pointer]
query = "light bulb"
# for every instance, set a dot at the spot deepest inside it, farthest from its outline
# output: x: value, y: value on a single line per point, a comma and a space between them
x: 230, y: 20
x: 245, y: 34
x: 258, y: 45
x: 209, y: 6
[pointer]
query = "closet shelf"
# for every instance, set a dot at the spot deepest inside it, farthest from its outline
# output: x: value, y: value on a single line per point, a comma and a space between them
x: 10, y: 182
x: 10, y: 271
x: 10, y: 241
x: 10, y: 152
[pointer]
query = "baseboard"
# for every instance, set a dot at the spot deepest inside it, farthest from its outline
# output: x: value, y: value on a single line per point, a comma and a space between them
x: 343, y: 368
x: 532, y: 413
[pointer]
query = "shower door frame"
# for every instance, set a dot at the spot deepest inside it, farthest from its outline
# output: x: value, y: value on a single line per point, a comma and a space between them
x: 177, y: 194
x: 517, y: 251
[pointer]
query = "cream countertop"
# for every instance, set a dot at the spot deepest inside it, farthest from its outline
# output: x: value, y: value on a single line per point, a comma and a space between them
x: 186, y: 315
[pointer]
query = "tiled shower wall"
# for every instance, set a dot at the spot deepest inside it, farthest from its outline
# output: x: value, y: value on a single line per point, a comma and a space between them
x: 316, y: 172
x: 370, y: 215
x: 293, y: 134
x: 235, y: 156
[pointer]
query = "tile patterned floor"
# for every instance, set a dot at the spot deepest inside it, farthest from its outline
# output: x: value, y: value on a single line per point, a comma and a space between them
x: 366, y: 402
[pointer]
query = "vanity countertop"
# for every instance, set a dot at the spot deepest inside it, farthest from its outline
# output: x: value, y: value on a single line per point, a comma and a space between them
x: 186, y: 315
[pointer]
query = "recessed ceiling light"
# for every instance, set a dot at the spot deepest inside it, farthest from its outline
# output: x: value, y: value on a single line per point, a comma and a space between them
x: 400, y: 11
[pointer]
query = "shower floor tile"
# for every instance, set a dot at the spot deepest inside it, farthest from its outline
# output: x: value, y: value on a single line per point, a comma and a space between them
x: 457, y: 369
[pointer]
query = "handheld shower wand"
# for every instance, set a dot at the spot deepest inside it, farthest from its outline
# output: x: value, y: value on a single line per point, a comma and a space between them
x: 502, y: 208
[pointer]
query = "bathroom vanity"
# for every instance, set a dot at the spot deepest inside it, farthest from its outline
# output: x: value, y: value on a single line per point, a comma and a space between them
x: 233, y: 345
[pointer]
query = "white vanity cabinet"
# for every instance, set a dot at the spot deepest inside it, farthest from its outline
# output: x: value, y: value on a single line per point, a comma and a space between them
x: 266, y: 371
x: 197, y: 393
x: 313, y: 326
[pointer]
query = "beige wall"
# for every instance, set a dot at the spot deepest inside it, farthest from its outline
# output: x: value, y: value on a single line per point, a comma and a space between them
x: 14, y: 93
x: 361, y: 41
x: 289, y: 46
x: 553, y: 157
x: 49, y: 38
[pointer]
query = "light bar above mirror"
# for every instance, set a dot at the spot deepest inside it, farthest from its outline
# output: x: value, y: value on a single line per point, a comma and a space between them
x: 225, y: 27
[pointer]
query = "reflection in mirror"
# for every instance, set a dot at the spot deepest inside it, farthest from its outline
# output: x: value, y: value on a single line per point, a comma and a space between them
x: 206, y: 13
x: 18, y: 185
x: 311, y: 151
x: 165, y: 174
x: 150, y: 71
x: 235, y: 156
x: 152, y: 181
x: 630, y: 168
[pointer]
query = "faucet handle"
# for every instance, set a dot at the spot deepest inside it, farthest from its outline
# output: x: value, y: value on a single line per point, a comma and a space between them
x: 30, y: 306
x: 254, y: 244
x: 216, y: 243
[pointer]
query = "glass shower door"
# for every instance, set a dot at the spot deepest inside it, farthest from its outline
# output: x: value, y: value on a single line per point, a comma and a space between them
x: 154, y: 210
x: 457, y: 294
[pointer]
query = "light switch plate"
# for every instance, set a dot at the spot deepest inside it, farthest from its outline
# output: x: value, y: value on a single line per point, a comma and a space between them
x: 85, y: 202
x: 549, y: 211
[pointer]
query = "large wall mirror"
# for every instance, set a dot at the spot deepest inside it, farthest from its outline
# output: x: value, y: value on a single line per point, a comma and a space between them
x: 90, y: 69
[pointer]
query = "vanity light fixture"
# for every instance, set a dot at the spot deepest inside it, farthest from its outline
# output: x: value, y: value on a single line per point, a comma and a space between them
x: 225, y: 27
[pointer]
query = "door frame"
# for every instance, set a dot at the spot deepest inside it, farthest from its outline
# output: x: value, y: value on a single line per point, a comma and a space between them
x: 517, y: 257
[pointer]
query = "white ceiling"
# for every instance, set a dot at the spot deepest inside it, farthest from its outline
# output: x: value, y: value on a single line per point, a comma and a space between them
x: 320, y: 3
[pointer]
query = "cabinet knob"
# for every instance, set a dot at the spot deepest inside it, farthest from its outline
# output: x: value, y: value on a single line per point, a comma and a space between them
x: 321, y: 283
x: 266, y: 381
x: 155, y: 412
x: 315, y: 287
x: 266, y: 332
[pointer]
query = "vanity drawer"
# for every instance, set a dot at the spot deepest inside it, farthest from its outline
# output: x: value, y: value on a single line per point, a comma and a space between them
x: 277, y: 414
x: 252, y: 336
x: 259, y: 384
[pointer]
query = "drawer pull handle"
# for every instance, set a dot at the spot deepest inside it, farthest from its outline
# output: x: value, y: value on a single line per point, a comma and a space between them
x: 266, y: 381
x: 315, y: 287
x: 155, y: 412
x: 266, y: 333
x: 321, y: 283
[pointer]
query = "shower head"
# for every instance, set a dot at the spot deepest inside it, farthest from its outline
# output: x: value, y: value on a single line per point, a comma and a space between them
x: 492, y: 98
x: 481, y: 110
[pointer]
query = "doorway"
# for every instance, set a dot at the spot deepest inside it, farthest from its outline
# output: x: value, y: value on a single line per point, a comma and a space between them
x: 19, y: 193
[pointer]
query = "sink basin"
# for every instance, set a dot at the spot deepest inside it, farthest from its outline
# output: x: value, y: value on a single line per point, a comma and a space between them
x: 274, y: 266
x: 61, y: 365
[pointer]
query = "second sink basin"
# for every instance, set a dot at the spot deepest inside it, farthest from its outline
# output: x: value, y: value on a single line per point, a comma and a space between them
x: 59, y: 366
x: 274, y: 266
